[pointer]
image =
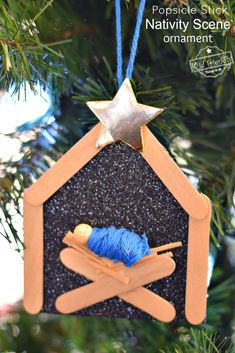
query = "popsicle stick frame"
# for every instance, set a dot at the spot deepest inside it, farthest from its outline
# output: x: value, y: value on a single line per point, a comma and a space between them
x: 196, y: 205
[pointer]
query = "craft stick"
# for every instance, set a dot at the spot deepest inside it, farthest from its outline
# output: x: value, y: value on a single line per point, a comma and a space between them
x: 154, y: 255
x: 168, y: 253
x: 110, y: 272
x: 172, y: 176
x: 70, y: 240
x: 120, y: 266
x: 68, y: 165
x: 142, y: 298
x: 108, y: 262
x: 96, y: 292
x: 145, y: 258
x: 33, y: 257
x: 151, y: 303
x: 167, y: 246
x: 113, y: 271
x: 196, y: 280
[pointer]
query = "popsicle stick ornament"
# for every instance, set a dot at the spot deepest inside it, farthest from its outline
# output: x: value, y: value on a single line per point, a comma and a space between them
x: 148, y: 255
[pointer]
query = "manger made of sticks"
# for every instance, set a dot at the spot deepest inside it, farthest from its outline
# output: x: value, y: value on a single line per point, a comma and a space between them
x: 115, y: 279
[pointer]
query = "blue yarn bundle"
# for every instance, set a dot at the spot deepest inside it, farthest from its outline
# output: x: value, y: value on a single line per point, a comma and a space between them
x: 118, y: 245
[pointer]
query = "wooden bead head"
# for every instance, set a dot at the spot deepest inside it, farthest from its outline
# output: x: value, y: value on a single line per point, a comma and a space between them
x: 83, y: 232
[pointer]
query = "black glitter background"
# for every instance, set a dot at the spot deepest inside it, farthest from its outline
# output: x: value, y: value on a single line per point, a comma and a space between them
x: 117, y: 187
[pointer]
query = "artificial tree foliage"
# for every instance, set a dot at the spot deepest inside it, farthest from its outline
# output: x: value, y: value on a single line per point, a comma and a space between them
x: 68, y: 47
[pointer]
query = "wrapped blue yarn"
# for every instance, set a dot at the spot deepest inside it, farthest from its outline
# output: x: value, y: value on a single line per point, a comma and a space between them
x: 118, y: 244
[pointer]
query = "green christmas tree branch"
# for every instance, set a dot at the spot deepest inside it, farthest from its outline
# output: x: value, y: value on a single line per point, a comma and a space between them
x: 197, y: 128
x: 26, y: 59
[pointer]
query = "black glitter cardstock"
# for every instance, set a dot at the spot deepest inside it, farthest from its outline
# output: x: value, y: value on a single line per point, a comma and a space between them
x: 117, y: 187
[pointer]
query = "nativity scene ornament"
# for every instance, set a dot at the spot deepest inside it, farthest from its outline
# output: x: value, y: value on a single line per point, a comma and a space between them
x: 114, y: 228
x: 135, y: 229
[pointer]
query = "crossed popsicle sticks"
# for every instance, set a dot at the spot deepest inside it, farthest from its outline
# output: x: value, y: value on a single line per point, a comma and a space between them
x: 111, y: 280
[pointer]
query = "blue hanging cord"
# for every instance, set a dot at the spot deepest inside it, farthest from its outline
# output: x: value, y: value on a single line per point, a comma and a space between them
x: 119, y: 41
x: 135, y: 40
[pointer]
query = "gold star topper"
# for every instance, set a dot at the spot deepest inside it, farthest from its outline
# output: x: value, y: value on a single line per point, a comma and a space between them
x: 123, y: 117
